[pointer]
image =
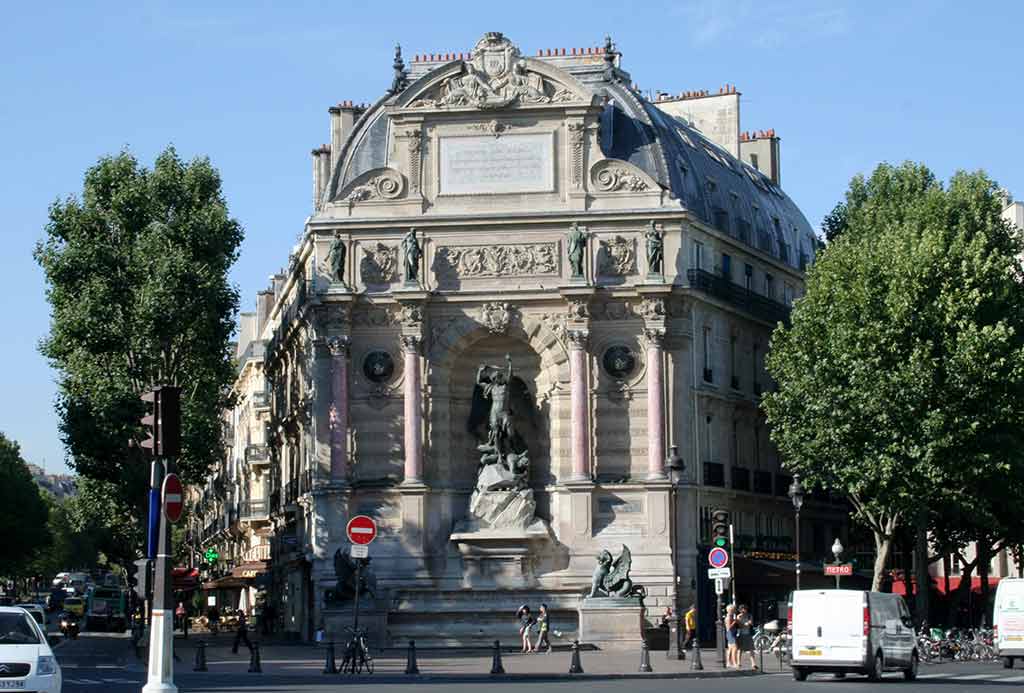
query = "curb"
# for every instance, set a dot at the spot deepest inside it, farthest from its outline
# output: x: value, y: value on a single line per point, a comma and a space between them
x: 490, y: 678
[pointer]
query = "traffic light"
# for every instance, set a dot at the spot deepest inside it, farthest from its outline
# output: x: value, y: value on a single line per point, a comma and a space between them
x: 162, y: 421
x: 720, y: 528
x: 139, y: 577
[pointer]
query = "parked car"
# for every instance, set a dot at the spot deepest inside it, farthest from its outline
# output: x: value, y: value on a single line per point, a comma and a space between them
x: 852, y: 632
x: 37, y: 612
x: 75, y: 605
x: 28, y: 659
x: 1008, y: 619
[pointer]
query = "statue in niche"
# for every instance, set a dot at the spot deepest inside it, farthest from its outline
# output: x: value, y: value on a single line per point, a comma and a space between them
x: 501, y: 498
x: 611, y: 577
x: 655, y: 250
x: 413, y: 252
x: 577, y: 248
x: 336, y: 260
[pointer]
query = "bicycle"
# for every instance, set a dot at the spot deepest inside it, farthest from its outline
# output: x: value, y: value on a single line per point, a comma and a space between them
x: 357, y: 653
x: 762, y: 640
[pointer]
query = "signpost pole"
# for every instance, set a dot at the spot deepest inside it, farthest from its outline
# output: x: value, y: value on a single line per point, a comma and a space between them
x: 355, y: 612
x: 732, y: 548
x: 719, y: 629
x: 160, y: 678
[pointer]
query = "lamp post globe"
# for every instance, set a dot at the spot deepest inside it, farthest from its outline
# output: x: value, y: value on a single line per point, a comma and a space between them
x: 796, y: 494
x: 837, y: 549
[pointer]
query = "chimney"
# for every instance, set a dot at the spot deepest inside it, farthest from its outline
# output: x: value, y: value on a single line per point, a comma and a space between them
x: 343, y: 117
x: 264, y: 304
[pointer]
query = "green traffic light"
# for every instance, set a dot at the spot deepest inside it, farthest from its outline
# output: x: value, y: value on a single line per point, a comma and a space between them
x: 720, y: 542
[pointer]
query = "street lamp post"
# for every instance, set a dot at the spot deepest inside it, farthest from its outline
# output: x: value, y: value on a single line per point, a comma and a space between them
x: 837, y: 551
x: 796, y: 494
x: 676, y: 469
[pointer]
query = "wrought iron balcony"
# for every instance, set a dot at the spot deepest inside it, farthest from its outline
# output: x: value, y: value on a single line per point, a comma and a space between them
x: 257, y: 454
x: 761, y: 307
x: 254, y: 509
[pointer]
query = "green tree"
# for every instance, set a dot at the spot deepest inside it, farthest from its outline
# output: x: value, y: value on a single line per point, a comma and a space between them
x: 901, y: 378
x: 23, y: 512
x: 137, y: 275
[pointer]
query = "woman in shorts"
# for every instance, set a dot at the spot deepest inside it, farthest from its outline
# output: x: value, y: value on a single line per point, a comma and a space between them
x: 526, y: 622
x: 732, y: 655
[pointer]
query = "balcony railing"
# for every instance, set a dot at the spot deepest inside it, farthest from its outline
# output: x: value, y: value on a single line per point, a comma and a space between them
x: 759, y: 306
x: 255, y: 454
x: 254, y: 509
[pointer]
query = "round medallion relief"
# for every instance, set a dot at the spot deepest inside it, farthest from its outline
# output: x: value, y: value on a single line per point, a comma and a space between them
x: 619, y: 361
x: 378, y: 366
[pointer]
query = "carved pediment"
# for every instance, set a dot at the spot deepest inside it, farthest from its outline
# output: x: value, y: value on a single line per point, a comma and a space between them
x: 376, y: 185
x: 615, y: 175
x: 497, y: 76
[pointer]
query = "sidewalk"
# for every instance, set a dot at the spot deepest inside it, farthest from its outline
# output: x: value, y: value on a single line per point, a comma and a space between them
x: 307, y: 660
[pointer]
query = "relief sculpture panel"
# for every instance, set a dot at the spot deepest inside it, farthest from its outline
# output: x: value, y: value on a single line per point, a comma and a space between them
x: 486, y: 261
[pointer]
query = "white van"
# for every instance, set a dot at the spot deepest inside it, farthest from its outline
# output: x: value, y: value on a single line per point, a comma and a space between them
x: 851, y: 632
x: 1008, y: 619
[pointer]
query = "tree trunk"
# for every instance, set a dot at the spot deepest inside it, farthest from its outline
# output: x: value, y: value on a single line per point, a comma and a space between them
x: 984, y: 561
x: 883, y: 545
x: 962, y: 590
x: 921, y: 573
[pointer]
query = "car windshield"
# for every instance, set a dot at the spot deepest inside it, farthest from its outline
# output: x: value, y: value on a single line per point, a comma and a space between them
x: 15, y: 629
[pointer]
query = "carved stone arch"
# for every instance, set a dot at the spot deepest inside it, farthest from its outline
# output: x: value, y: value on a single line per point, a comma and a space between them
x: 618, y: 176
x: 376, y: 185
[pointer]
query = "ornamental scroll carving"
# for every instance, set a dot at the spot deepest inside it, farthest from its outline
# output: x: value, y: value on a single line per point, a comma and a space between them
x: 482, y: 261
x: 377, y: 185
x: 617, y: 257
x: 379, y: 263
x: 496, y: 76
x: 577, y: 135
x: 610, y: 175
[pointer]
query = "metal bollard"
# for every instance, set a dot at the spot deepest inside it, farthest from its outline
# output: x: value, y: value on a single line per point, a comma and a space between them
x: 200, y: 664
x: 695, y: 663
x: 411, y: 667
x: 330, y: 667
x: 645, y: 657
x: 575, y: 666
x: 496, y: 667
x: 254, y: 660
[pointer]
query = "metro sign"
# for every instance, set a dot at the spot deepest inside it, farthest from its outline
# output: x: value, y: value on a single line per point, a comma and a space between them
x: 174, y: 497
x: 361, y: 530
x: 845, y: 569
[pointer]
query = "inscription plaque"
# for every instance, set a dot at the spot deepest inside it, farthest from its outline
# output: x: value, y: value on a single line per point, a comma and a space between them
x: 492, y: 165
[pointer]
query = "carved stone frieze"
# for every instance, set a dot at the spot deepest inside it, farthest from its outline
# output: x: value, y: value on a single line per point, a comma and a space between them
x: 577, y: 135
x: 414, y: 137
x: 379, y: 263
x: 372, y: 316
x: 496, y: 76
x: 481, y: 261
x: 652, y: 309
x: 496, y: 317
x: 410, y: 316
x: 493, y: 127
x: 617, y: 257
x: 579, y: 309
x: 613, y: 310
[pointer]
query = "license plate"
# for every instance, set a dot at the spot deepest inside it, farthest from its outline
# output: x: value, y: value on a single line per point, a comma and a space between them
x: 12, y: 684
x: 810, y: 653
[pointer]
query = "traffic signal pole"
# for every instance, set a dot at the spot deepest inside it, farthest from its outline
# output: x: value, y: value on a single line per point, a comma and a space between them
x: 161, y: 625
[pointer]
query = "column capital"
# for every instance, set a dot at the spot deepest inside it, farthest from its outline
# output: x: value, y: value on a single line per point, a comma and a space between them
x: 654, y: 337
x: 340, y: 345
x: 411, y: 343
x: 578, y: 339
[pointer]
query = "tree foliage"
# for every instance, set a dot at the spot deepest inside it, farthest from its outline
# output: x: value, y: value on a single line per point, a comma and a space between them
x: 23, y: 511
x: 137, y: 282
x: 901, y: 379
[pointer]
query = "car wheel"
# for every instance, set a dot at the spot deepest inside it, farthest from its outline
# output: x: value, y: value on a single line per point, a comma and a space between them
x: 877, y: 667
x: 799, y: 674
x: 1008, y: 662
x: 910, y: 673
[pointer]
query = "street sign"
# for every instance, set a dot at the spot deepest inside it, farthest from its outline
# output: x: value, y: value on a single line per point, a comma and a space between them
x: 841, y: 569
x: 716, y: 573
x: 361, y: 529
x: 360, y: 551
x: 174, y: 498
x: 718, y: 557
x: 719, y: 585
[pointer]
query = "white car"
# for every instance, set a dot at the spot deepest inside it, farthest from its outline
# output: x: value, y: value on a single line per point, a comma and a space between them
x: 37, y: 612
x: 26, y: 660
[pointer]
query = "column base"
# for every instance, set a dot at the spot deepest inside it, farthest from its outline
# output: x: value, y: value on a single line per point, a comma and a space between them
x: 657, y: 476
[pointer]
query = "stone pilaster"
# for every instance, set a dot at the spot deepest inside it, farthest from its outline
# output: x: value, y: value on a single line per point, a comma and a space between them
x: 655, y: 339
x: 339, y: 347
x: 579, y: 420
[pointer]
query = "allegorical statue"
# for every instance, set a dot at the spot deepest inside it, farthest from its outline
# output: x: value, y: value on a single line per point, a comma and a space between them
x: 336, y: 260
x: 345, y: 571
x: 502, y: 497
x: 611, y: 576
x: 655, y: 249
x: 413, y: 253
x: 577, y: 248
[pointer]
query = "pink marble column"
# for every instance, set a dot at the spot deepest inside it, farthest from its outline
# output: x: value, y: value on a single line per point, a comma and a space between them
x: 339, y: 408
x: 413, y: 411
x: 578, y: 394
x: 655, y: 405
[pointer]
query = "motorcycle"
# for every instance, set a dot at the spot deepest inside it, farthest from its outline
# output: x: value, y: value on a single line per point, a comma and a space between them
x: 69, y: 625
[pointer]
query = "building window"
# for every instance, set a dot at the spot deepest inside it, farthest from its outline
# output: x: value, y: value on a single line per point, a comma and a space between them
x: 732, y: 364
x: 753, y: 161
x: 727, y: 266
x: 803, y: 262
x: 787, y: 293
x: 769, y: 286
x: 708, y: 373
x: 721, y: 219
x: 698, y: 255
x: 753, y: 371
x: 744, y: 230
x: 748, y: 277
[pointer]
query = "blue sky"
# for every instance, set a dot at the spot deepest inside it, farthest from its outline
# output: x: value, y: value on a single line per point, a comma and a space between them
x: 846, y: 85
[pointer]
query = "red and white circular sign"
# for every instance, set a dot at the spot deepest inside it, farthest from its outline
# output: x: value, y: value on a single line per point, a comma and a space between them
x: 361, y: 529
x: 174, y: 497
x: 718, y: 557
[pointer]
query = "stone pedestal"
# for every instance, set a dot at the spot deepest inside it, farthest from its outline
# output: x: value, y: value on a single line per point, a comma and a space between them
x: 611, y: 622
x: 501, y: 558
x: 373, y: 616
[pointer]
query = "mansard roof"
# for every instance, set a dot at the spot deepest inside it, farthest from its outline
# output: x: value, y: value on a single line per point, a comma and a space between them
x: 705, y: 179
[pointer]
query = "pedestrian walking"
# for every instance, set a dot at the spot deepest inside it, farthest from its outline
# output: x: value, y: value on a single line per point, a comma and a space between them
x: 732, y: 659
x: 745, y: 637
x: 543, y: 626
x: 691, y: 627
x: 526, y: 622
x: 242, y: 634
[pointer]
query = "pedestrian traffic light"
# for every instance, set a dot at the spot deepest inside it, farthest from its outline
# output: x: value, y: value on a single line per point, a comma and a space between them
x: 720, y: 528
x: 162, y: 421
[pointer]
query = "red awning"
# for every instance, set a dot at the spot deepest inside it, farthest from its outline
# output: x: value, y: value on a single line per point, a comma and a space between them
x: 184, y: 579
x: 954, y: 583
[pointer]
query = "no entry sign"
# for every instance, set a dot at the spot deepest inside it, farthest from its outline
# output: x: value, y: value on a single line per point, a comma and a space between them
x: 718, y: 557
x: 174, y: 497
x: 361, y: 529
